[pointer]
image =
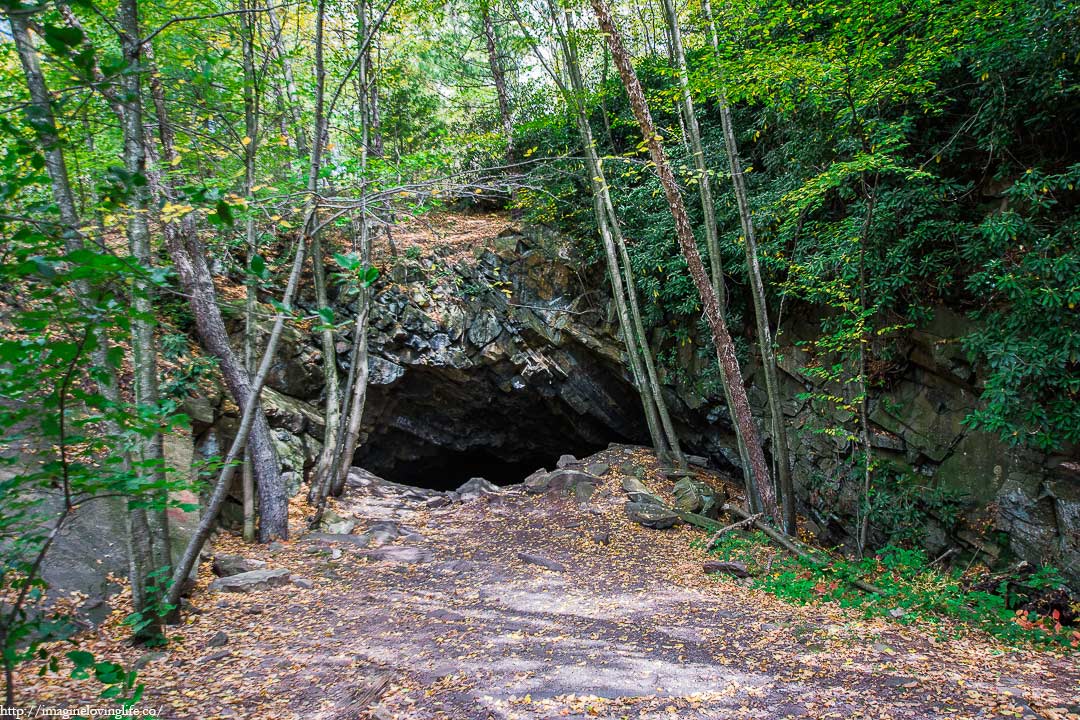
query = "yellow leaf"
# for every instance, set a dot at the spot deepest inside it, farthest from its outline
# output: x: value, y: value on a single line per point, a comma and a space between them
x: 245, y: 141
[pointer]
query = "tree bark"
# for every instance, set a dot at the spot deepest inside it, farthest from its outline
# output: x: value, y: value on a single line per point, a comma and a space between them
x: 251, y: 411
x: 293, y: 104
x: 573, y: 97
x: 251, y: 132
x: 757, y: 285
x: 498, y: 76
x: 140, y: 561
x: 356, y: 387
x: 622, y: 283
x: 143, y: 342
x: 357, y: 383
x: 189, y: 258
x: 725, y: 347
x: 311, y: 227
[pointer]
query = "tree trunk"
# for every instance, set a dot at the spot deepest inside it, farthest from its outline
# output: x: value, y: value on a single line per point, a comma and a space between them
x: 693, y: 131
x: 356, y: 390
x: 248, y: 417
x: 725, y: 347
x: 189, y: 258
x: 357, y: 384
x: 761, y: 317
x: 621, y: 276
x: 864, y: 396
x: 251, y: 132
x: 753, y: 268
x: 292, y: 103
x: 311, y: 228
x: 140, y: 561
x: 499, y: 78
x: 143, y: 342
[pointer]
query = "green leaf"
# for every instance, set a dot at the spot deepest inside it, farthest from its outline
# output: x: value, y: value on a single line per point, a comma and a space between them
x: 81, y: 658
x: 257, y: 267
x: 222, y: 215
x: 327, y: 315
x: 348, y: 262
x: 369, y: 276
x: 62, y: 38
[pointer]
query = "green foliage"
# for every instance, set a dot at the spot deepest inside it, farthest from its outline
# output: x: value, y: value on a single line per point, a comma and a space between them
x: 119, y: 682
x: 900, y: 156
x: 67, y: 320
x: 955, y: 118
x: 1027, y: 281
x: 913, y: 591
x: 902, y: 503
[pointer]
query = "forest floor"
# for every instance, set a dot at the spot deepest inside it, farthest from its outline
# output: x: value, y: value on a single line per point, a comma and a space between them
x: 451, y: 622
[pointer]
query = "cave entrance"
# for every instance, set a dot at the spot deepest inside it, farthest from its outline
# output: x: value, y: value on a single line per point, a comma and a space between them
x: 437, y: 427
x: 447, y: 469
x: 402, y: 459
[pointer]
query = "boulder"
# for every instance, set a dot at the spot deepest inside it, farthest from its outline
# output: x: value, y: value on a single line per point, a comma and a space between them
x: 566, y: 480
x: 288, y: 413
x: 538, y: 482
x: 631, y: 484
x: 697, y: 497
x: 292, y: 455
x: 645, y: 498
x: 228, y: 565
x: 597, y: 468
x: 475, y: 487
x: 652, y: 516
x: 735, y: 569
x: 583, y: 491
x: 688, y: 496
x: 292, y: 482
x: 334, y: 524
x: 360, y: 478
x: 565, y: 461
x: 252, y: 581
x: 88, y: 553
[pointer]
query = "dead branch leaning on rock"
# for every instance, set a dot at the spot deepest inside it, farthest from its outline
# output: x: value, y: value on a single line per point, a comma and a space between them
x: 719, y: 534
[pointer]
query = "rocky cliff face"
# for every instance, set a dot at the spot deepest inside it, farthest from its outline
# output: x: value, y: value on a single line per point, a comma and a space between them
x: 498, y: 365
x: 490, y: 367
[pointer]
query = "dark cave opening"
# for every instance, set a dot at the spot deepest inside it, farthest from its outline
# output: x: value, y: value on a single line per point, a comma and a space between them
x: 438, y: 427
x: 447, y: 469
x: 406, y: 459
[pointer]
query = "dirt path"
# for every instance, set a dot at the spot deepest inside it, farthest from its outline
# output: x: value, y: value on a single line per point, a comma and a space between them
x: 451, y: 622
